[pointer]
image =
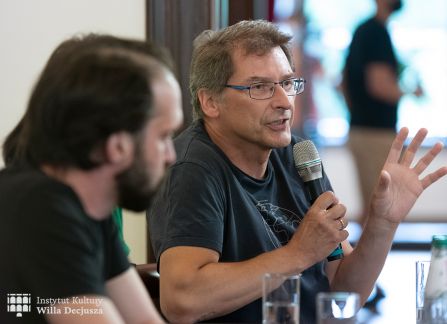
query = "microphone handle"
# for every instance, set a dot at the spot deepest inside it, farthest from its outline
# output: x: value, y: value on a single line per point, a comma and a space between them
x: 314, y: 190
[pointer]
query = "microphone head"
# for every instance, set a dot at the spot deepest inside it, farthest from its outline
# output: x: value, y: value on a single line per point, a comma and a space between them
x: 307, y: 161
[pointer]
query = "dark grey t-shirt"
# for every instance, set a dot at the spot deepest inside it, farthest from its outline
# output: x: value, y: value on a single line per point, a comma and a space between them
x: 207, y: 202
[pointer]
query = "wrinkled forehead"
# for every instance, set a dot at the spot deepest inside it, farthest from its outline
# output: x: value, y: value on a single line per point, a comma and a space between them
x: 259, y: 63
x: 244, y: 49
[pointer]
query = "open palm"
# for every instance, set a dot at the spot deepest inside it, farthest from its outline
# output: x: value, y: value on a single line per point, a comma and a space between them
x: 399, y: 183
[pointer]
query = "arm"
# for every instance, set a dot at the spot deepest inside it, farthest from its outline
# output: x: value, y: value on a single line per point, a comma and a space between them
x: 103, y: 313
x: 382, y: 83
x: 132, y: 299
x: 127, y: 302
x: 195, y: 286
x: 397, y: 190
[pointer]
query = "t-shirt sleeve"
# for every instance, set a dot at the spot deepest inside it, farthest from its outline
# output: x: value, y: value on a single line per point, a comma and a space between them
x: 59, y: 247
x: 188, y: 210
x: 378, y: 46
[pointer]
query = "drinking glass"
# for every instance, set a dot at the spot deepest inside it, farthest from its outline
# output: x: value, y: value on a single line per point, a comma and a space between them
x: 280, y: 299
x: 337, y: 307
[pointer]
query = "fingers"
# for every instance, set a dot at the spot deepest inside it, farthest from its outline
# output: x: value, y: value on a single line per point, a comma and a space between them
x: 325, y: 224
x: 410, y: 153
x: 326, y: 200
x: 329, y: 204
x: 425, y: 161
x: 414, y: 146
x: 343, y: 223
x: 396, y: 147
x: 433, y: 177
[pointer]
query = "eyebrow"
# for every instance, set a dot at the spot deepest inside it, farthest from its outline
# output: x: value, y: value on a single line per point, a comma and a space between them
x: 266, y: 79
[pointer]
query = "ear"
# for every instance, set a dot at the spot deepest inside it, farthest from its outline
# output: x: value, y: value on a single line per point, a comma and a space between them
x: 209, y: 103
x: 119, y: 149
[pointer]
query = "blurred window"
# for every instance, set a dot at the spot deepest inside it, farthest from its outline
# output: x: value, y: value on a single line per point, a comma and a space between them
x: 419, y: 34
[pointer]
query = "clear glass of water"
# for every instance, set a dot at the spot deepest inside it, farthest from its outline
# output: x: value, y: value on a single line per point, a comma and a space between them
x: 281, y: 299
x: 337, y: 307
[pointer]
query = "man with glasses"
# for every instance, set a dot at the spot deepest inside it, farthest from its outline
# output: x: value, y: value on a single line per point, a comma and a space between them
x: 233, y: 207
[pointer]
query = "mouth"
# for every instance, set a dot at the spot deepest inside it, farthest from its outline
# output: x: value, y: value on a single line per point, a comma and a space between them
x: 279, y: 124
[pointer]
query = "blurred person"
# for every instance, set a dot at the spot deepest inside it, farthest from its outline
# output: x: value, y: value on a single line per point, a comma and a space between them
x: 371, y: 90
x: 63, y: 53
x: 233, y: 207
x: 96, y: 134
x: 372, y: 93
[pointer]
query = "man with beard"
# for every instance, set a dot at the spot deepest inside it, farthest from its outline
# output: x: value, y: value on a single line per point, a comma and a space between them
x: 96, y: 134
x: 62, y: 53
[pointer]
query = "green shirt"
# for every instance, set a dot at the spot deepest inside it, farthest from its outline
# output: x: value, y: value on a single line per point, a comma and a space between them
x: 117, y: 215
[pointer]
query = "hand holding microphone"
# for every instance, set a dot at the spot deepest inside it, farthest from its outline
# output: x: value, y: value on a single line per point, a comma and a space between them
x: 308, y: 164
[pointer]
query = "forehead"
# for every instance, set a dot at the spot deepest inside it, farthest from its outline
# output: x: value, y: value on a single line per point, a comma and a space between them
x: 163, y: 82
x: 273, y: 63
x: 167, y: 99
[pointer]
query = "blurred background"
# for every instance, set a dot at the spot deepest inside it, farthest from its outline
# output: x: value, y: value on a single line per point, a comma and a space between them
x: 323, y: 31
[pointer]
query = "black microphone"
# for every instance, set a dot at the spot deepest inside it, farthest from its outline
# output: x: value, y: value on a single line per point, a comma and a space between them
x: 308, y: 164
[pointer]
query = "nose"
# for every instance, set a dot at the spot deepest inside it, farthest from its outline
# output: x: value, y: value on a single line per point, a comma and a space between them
x: 281, y: 99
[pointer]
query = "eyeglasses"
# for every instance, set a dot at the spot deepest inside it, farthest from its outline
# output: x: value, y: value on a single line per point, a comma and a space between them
x: 265, y: 90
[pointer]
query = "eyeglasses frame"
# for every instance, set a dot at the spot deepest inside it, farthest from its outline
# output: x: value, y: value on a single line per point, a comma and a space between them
x: 299, y: 81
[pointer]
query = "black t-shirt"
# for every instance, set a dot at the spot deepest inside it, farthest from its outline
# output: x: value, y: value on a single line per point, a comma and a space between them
x: 371, y: 43
x: 208, y: 202
x: 50, y: 247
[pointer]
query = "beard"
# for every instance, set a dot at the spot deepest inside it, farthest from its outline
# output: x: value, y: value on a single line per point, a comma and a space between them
x: 135, y: 186
x: 396, y: 5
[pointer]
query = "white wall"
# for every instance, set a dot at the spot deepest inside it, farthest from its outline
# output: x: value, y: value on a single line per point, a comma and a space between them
x: 31, y: 29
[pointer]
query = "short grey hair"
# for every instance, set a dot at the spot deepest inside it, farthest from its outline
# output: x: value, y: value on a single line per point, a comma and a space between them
x: 211, y: 64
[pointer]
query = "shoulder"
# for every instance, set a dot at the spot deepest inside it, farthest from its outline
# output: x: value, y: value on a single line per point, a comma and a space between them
x: 32, y: 184
x: 195, y: 149
x: 374, y: 29
x: 372, y: 24
x: 368, y: 29
x: 33, y: 198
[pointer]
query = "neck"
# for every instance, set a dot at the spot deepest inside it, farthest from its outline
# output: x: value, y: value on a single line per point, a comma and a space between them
x: 94, y: 188
x: 249, y: 158
x: 382, y: 13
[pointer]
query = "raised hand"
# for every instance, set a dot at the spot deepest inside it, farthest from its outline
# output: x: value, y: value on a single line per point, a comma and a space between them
x: 400, y: 184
